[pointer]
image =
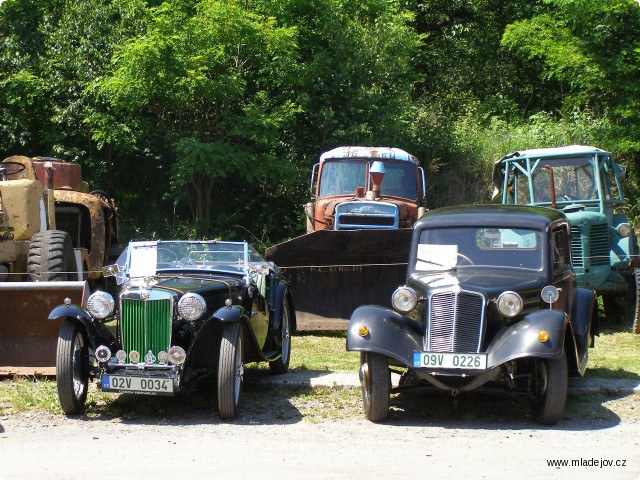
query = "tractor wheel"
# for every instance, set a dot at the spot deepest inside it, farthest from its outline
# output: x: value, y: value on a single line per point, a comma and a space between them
x: 51, y: 257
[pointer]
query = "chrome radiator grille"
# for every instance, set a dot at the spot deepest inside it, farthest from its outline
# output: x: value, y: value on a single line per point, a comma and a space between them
x: 455, y: 322
x: 146, y: 325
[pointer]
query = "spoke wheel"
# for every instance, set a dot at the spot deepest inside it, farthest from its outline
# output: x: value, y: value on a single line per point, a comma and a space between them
x: 281, y: 365
x: 72, y: 368
x: 230, y: 371
x: 375, y: 380
x: 550, y: 390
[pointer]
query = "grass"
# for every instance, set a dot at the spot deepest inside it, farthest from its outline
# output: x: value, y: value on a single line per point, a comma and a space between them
x: 616, y: 354
x: 326, y: 351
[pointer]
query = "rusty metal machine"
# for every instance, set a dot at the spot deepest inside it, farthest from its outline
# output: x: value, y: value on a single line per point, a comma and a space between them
x: 55, y: 237
x: 364, y: 203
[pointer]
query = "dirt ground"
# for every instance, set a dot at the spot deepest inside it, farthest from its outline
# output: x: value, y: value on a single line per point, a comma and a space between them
x: 288, y: 438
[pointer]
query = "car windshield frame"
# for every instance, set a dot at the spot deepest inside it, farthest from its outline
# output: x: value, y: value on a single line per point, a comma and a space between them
x: 459, y: 247
x: 152, y: 258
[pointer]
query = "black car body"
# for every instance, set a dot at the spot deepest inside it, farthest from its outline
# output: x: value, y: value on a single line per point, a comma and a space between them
x: 186, y: 311
x: 490, y: 299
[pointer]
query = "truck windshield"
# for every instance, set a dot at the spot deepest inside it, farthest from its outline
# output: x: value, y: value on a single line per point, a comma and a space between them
x: 343, y: 176
x: 574, y: 180
x: 459, y: 247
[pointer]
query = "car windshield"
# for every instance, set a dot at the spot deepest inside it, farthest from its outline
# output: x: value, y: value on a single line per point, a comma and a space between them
x: 142, y: 259
x: 460, y: 247
x: 343, y: 177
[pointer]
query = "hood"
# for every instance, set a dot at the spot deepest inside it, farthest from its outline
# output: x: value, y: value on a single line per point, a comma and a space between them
x: 477, y: 280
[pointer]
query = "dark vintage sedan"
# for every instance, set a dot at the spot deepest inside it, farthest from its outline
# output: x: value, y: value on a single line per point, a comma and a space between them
x: 490, y: 300
x: 186, y: 311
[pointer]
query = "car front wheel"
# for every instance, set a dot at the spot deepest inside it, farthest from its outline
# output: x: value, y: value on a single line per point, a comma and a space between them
x: 550, y: 390
x: 230, y: 371
x: 72, y: 368
x: 281, y: 364
x: 375, y: 380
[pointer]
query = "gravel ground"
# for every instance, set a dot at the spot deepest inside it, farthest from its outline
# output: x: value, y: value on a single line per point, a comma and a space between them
x: 319, y: 432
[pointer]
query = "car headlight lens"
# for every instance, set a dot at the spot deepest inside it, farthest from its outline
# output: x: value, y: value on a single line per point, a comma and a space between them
x: 100, y: 305
x: 624, y: 230
x: 191, y: 306
x: 509, y: 304
x: 404, y: 299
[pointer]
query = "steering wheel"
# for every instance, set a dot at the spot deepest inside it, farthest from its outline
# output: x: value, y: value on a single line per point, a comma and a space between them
x: 465, y: 258
x: 172, y: 257
x: 103, y: 195
x: 10, y: 168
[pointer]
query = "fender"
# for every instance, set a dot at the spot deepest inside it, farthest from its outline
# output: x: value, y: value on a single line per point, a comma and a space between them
x: 97, y: 333
x: 521, y: 338
x: 582, y: 314
x: 228, y: 314
x: 390, y: 334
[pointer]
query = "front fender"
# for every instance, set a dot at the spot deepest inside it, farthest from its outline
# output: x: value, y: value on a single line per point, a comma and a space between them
x: 97, y: 333
x: 521, y: 339
x: 229, y: 314
x: 390, y: 334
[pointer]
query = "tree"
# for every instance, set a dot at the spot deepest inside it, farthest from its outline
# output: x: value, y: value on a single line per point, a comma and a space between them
x: 204, y: 82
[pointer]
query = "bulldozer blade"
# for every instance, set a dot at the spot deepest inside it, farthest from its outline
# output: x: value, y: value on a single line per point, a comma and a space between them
x: 332, y: 272
x: 28, y: 339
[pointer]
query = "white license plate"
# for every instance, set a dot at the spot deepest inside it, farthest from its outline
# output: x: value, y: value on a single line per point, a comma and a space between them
x: 157, y: 386
x: 462, y: 361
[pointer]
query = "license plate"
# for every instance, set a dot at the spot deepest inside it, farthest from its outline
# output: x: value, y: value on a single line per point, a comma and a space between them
x: 150, y: 385
x: 462, y: 361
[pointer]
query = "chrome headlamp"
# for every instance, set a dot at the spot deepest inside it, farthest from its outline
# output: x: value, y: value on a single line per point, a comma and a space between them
x: 191, y: 306
x: 509, y: 304
x: 404, y: 299
x: 100, y: 305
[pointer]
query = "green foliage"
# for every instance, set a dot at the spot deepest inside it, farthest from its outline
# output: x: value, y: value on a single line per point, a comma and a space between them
x: 210, y: 113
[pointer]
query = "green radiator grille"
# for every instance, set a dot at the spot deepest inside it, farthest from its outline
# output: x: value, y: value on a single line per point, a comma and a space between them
x: 146, y: 325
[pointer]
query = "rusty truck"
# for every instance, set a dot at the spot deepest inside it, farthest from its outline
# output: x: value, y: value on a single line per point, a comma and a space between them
x: 364, y: 202
x: 55, y: 237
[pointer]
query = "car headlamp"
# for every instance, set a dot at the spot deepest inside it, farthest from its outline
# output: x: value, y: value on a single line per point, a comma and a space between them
x: 509, y: 304
x: 191, y: 306
x: 404, y: 299
x: 624, y: 230
x: 100, y: 305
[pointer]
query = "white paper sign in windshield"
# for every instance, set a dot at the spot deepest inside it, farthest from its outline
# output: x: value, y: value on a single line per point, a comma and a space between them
x: 144, y: 257
x: 436, y: 257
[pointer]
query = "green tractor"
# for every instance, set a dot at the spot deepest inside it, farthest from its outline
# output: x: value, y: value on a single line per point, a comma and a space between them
x: 586, y: 184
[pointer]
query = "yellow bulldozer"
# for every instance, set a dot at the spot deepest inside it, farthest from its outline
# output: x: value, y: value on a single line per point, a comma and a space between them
x: 55, y: 237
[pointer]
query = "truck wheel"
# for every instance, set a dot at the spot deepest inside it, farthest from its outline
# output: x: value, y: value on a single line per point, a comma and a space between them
x: 281, y: 365
x: 375, y: 380
x: 230, y: 371
x: 550, y: 379
x: 72, y: 368
x: 51, y: 257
